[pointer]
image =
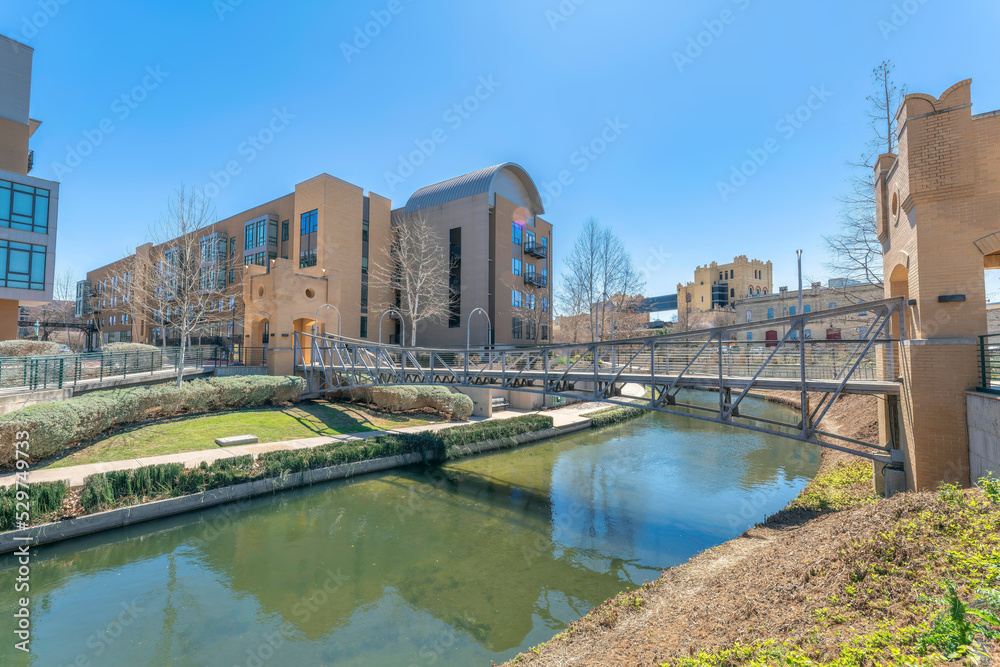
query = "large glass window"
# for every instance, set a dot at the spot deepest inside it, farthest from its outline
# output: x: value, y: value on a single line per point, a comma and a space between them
x: 516, y: 267
x: 22, y: 265
x: 24, y: 207
x: 516, y: 231
x: 284, y: 230
x: 272, y: 233
x: 307, y: 258
x: 310, y: 222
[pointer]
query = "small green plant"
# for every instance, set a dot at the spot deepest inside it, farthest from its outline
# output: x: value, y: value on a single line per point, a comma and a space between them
x: 991, y: 487
x: 43, y: 498
x: 955, y: 631
x: 951, y: 494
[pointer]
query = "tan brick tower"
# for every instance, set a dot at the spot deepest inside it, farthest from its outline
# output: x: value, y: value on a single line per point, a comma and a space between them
x: 938, y: 217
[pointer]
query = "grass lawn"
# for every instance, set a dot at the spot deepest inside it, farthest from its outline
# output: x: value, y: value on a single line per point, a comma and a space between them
x: 309, y: 419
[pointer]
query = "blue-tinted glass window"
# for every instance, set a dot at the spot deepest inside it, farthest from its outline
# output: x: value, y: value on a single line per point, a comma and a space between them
x: 516, y: 232
x: 24, y: 207
x: 806, y: 308
x: 791, y: 311
x: 22, y: 265
x: 310, y: 222
x: 770, y: 313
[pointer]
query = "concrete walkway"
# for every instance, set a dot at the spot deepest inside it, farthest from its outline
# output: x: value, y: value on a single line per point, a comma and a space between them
x: 74, y: 475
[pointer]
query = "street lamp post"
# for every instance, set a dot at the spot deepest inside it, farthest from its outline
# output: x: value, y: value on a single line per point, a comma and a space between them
x: 468, y: 328
x: 340, y: 318
x: 401, y: 320
x: 468, y: 335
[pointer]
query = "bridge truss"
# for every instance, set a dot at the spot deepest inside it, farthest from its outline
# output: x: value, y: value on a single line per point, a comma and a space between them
x: 721, y: 360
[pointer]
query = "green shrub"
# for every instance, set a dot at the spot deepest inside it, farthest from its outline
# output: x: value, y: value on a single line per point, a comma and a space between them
x: 130, y: 347
x: 456, y: 405
x: 494, y: 429
x: 612, y: 416
x: 31, y: 348
x: 52, y: 427
x: 43, y: 498
x: 991, y: 487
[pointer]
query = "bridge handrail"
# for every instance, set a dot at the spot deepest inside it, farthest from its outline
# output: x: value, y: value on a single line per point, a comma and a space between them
x: 679, y: 336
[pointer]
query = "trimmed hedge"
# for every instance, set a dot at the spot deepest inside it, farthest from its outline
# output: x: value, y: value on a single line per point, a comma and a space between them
x: 127, y: 487
x: 31, y: 348
x: 130, y: 347
x: 494, y: 429
x: 43, y: 498
x: 53, y: 427
x: 456, y: 405
x: 612, y: 416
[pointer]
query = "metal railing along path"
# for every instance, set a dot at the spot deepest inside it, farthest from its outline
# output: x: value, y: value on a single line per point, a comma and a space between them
x: 710, y: 359
x: 33, y: 373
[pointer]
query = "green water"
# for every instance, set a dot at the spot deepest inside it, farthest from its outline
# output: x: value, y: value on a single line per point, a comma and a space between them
x: 458, y: 565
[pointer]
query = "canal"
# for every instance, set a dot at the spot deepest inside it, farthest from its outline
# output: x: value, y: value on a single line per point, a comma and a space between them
x: 459, y: 565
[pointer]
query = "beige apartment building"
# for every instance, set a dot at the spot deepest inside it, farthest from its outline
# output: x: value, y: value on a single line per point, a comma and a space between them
x: 305, y: 259
x: 28, y: 205
x: 719, y: 285
x: 815, y: 299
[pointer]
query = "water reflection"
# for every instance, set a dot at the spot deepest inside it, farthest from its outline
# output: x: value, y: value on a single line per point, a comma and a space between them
x: 458, y: 565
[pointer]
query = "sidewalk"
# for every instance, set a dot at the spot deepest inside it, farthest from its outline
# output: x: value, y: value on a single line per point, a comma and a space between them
x: 74, y: 475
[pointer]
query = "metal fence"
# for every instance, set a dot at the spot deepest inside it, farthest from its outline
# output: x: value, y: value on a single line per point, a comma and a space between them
x: 30, y: 373
x: 989, y: 363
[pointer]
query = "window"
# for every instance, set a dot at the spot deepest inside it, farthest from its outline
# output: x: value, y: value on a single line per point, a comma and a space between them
x: 364, y: 327
x: 22, y: 265
x: 770, y: 313
x: 232, y: 247
x: 307, y: 258
x: 455, y: 278
x: 749, y: 316
x: 749, y: 335
x: 529, y: 301
x: 232, y: 303
x: 529, y: 237
x: 310, y: 222
x: 515, y: 233
x: 515, y: 298
x: 364, y: 231
x: 545, y: 304
x: 806, y: 308
x: 24, y: 207
x: 833, y: 305
x: 272, y: 233
x: 720, y: 276
x: 516, y: 266
x: 864, y: 312
x: 732, y: 293
x: 232, y: 276
x: 545, y: 332
x: 791, y: 311
x: 809, y: 334
x: 795, y: 334
x: 284, y: 230
x: 515, y: 328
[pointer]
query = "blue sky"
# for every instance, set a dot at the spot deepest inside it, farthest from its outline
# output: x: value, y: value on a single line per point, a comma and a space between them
x: 552, y: 78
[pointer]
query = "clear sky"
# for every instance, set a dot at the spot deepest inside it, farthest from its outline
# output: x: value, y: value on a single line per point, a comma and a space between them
x: 201, y: 77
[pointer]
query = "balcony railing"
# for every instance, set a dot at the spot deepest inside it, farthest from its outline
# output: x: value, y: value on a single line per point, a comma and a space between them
x: 989, y: 363
x: 31, y: 161
x: 536, y: 249
x: 536, y: 280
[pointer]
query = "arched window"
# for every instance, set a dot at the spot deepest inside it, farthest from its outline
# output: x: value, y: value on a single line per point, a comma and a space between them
x: 758, y: 291
x: 732, y: 293
x: 765, y: 292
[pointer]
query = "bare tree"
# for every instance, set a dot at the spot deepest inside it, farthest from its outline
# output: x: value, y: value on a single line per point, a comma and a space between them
x: 599, y: 270
x: 855, y: 251
x: 414, y: 267
x: 181, y: 280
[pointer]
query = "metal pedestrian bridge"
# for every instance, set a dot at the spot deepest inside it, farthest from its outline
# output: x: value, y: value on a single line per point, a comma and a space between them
x: 721, y: 360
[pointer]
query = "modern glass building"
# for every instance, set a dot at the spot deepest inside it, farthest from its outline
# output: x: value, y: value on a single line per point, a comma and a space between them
x: 28, y: 205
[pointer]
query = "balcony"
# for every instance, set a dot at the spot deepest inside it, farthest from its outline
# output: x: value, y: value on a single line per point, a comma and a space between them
x: 536, y: 280
x: 535, y: 249
x: 31, y: 161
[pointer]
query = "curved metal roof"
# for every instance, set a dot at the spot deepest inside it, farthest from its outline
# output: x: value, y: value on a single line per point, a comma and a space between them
x: 478, y: 182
